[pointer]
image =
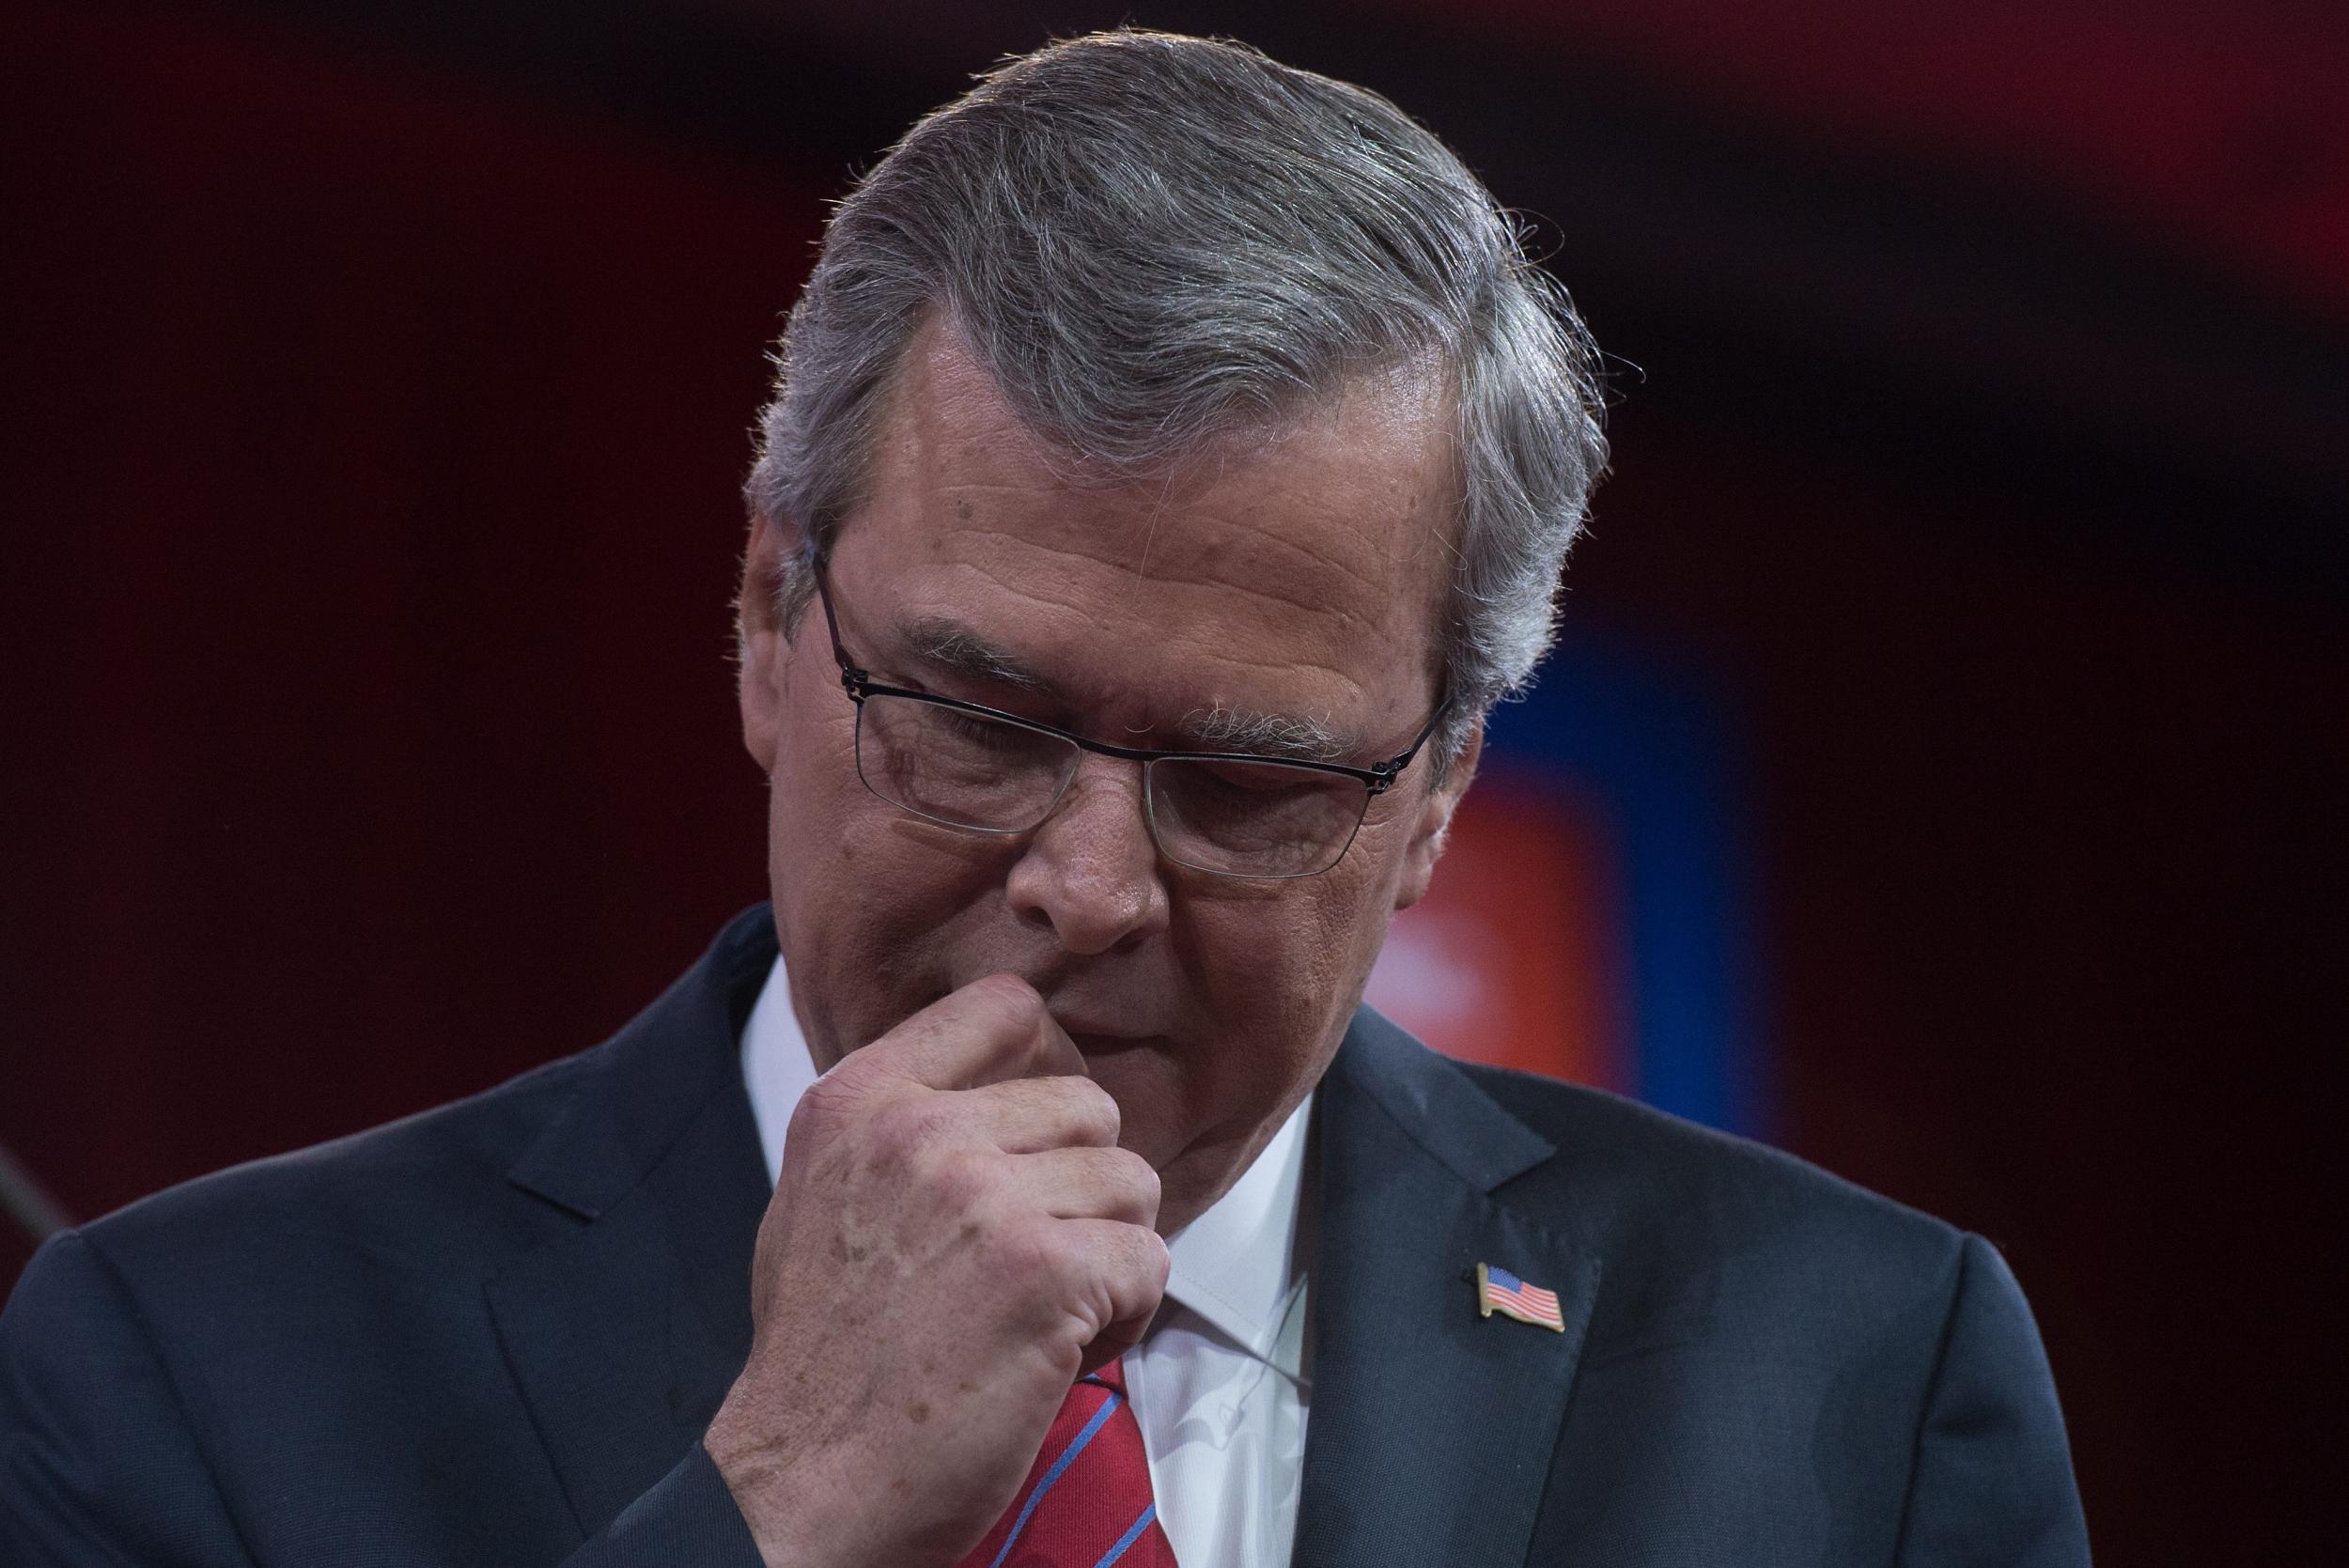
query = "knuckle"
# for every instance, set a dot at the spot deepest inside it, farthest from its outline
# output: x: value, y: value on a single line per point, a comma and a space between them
x: 1105, y: 1118
x: 906, y: 1127
x: 1032, y: 1253
x: 1143, y: 1253
x: 828, y: 1102
x: 1158, y: 1259
x: 1142, y: 1176
x: 961, y: 1182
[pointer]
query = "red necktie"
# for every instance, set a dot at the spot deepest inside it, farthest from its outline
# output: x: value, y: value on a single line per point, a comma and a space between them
x: 1086, y: 1502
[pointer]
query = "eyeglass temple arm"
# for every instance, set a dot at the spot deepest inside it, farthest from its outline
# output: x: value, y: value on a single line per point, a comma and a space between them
x: 851, y: 677
x: 1385, y: 774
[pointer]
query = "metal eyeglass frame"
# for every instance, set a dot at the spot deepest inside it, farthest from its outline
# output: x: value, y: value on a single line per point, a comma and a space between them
x: 1375, y: 780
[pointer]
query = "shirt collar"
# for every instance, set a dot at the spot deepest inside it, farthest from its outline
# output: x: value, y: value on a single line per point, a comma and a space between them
x: 1236, y: 1266
x: 776, y: 1066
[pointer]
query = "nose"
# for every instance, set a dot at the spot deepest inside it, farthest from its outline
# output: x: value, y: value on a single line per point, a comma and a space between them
x: 1091, y: 872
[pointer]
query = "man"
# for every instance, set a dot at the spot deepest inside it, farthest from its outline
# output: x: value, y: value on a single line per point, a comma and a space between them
x: 1173, y: 461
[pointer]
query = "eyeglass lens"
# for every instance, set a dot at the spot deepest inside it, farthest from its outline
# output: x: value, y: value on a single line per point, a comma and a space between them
x: 1238, y: 818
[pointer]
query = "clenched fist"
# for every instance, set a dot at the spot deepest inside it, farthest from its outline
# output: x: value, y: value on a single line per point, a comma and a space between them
x: 956, y: 1237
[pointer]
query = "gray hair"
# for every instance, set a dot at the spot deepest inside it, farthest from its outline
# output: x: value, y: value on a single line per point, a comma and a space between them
x: 1156, y: 242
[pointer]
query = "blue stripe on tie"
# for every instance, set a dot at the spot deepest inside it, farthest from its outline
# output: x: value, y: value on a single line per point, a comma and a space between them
x: 1069, y: 1456
x: 1129, y: 1537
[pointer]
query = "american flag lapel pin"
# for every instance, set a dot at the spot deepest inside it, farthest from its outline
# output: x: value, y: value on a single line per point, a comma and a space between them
x: 1500, y: 1291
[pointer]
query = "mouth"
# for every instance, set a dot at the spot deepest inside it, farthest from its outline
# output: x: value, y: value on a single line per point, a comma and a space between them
x: 1097, y: 1043
x: 1103, y: 1028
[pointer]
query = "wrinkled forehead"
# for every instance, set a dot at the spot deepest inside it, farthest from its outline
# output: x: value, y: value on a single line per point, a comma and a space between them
x: 1324, y: 539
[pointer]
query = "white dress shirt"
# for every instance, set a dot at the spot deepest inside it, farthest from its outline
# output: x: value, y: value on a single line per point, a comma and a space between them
x: 1221, y: 1383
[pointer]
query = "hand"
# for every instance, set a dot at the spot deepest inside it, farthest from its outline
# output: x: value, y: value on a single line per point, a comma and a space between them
x: 954, y: 1239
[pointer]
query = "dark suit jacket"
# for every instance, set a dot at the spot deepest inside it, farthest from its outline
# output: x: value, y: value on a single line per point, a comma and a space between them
x: 493, y: 1334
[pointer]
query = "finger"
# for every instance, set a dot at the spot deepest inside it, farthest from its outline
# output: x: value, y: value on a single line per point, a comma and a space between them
x: 991, y: 1031
x: 1110, y: 1343
x: 1031, y: 1114
x: 1128, y: 1269
x: 1087, y: 1184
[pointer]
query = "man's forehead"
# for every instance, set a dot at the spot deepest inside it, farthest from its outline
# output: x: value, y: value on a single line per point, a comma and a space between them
x: 1276, y: 595
x: 1197, y: 652
x: 938, y: 646
x: 1171, y: 679
x: 1342, y: 514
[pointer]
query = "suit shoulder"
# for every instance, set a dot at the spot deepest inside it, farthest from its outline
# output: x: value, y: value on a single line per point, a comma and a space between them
x: 413, y: 1188
x: 449, y: 1193
x: 1628, y: 1167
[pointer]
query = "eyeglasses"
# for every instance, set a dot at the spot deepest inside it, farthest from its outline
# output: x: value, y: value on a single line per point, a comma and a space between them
x: 1230, y: 813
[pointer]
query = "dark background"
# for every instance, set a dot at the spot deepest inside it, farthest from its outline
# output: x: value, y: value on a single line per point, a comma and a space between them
x: 378, y: 377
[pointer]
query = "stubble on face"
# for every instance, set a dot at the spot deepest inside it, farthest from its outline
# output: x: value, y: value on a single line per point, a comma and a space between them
x: 1299, y: 576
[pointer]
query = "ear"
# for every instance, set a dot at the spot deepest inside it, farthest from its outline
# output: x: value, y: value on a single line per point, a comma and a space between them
x: 1435, y: 821
x: 762, y: 645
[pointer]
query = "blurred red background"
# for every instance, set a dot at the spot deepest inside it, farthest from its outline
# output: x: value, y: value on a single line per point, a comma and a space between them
x: 381, y: 378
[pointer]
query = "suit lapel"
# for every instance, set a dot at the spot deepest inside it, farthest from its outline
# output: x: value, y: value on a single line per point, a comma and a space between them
x: 1432, y: 1428
x: 624, y: 1331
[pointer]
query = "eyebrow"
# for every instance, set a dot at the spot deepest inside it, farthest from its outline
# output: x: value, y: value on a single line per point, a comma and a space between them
x: 1272, y: 735
x: 946, y: 644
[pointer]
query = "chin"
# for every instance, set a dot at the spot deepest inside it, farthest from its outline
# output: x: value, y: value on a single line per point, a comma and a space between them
x: 1138, y: 1074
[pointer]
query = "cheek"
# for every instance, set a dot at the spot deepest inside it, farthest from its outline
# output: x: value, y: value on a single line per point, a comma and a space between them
x: 812, y: 800
x: 1284, y: 975
x: 864, y: 899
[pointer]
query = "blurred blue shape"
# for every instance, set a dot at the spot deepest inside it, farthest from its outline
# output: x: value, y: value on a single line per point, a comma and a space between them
x: 1648, y: 739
